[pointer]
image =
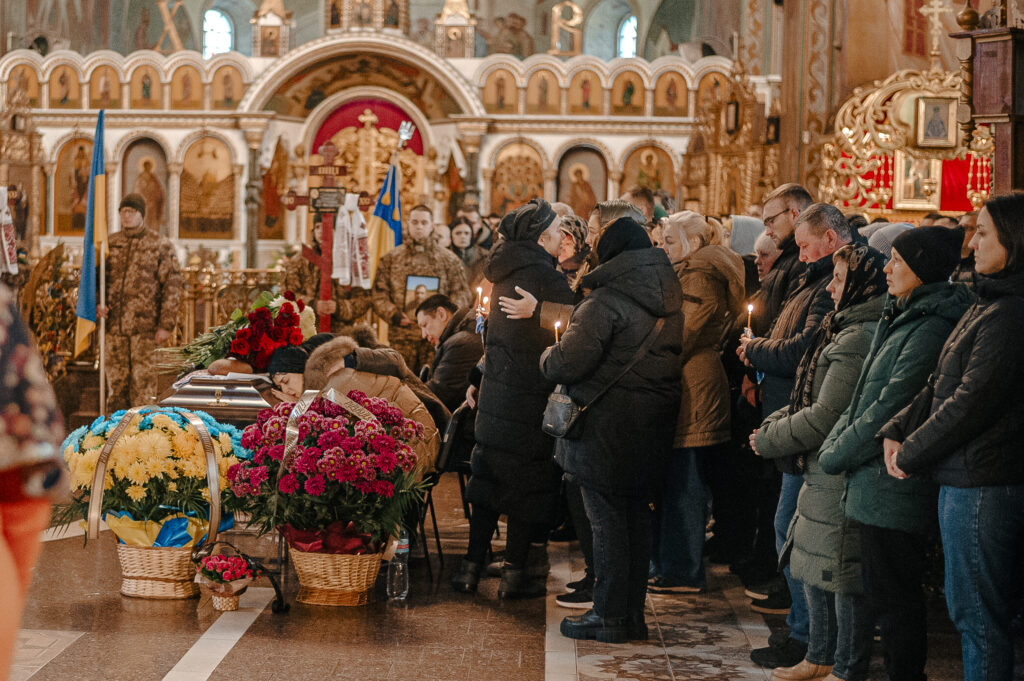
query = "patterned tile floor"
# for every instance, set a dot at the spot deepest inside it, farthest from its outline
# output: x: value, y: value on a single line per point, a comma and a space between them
x: 77, y: 627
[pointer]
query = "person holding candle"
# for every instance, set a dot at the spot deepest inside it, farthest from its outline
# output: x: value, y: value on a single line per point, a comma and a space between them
x: 513, y: 469
x: 711, y: 278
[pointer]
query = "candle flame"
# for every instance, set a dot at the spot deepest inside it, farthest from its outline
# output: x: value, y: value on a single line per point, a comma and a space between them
x: 479, y: 290
x: 558, y: 324
x: 750, y: 307
x: 486, y: 300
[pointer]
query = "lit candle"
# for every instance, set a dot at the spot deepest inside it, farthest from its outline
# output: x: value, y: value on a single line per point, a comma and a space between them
x: 750, y: 311
x: 479, y: 292
x: 486, y: 301
x: 558, y: 325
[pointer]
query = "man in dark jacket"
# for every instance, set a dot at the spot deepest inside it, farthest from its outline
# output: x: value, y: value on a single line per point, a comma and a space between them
x: 781, y: 209
x: 630, y: 427
x: 819, y: 232
x: 457, y: 345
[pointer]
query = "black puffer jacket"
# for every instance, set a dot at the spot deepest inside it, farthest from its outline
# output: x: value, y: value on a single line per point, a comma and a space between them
x: 458, y: 352
x: 779, y: 354
x: 513, y: 471
x: 972, y: 437
x: 790, y: 273
x: 631, y: 426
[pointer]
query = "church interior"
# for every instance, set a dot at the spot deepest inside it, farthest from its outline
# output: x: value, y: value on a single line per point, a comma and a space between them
x: 218, y: 113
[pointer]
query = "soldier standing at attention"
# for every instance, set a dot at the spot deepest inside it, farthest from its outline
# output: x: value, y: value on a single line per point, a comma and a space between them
x: 143, y: 295
x: 347, y: 304
x: 417, y: 257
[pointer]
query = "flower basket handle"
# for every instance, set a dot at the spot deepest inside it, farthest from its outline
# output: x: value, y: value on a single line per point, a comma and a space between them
x: 212, y: 481
x: 291, y: 435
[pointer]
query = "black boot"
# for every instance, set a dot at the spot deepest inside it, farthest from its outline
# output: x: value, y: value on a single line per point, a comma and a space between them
x: 467, y: 577
x: 515, y: 583
x: 592, y: 626
x: 636, y: 626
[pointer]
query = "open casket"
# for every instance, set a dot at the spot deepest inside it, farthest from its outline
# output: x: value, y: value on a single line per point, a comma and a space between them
x: 234, y: 399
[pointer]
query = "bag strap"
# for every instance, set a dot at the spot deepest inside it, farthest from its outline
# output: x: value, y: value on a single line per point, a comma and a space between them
x: 641, y: 351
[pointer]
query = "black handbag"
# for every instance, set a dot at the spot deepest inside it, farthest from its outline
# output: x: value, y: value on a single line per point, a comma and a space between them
x: 563, y: 418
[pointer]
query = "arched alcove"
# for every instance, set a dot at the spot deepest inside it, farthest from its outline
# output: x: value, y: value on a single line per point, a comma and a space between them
x: 601, y: 29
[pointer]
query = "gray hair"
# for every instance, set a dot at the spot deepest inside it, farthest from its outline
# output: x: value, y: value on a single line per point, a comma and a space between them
x: 765, y: 244
x: 821, y: 217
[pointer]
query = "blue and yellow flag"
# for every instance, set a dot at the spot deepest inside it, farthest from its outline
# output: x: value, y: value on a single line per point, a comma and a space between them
x: 384, y: 230
x: 95, y: 234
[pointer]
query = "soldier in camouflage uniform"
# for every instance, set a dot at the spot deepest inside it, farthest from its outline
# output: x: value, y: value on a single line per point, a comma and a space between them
x: 144, y: 288
x: 417, y: 256
x: 348, y: 303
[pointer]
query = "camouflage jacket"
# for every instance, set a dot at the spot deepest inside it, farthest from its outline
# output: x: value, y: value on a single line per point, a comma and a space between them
x: 144, y: 283
x: 390, y: 298
x: 302, y: 278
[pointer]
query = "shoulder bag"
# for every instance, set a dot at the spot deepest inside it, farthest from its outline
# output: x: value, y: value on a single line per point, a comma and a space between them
x: 563, y: 417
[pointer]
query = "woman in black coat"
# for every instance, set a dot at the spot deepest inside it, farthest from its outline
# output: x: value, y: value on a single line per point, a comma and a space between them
x: 964, y: 431
x: 630, y: 428
x: 513, y: 471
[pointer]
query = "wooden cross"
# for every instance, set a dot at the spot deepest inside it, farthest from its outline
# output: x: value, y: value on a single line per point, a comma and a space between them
x: 933, y: 12
x: 326, y: 205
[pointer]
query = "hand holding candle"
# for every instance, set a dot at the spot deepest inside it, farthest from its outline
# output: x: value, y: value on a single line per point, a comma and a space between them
x: 558, y: 325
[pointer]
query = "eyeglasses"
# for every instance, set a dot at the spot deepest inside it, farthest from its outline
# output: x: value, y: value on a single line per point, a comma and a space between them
x: 768, y: 221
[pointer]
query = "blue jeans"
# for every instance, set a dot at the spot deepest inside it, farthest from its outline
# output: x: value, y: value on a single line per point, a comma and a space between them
x: 681, y: 519
x: 797, y: 618
x: 839, y: 638
x: 983, y: 538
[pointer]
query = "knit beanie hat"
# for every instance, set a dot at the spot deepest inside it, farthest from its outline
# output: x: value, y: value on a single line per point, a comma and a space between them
x: 881, y: 239
x: 291, y: 359
x: 931, y: 252
x: 134, y: 201
x: 527, y: 222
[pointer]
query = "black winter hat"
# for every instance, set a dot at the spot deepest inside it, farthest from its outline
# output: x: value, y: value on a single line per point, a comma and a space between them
x: 134, y: 201
x: 931, y: 252
x: 527, y: 222
x: 625, y: 234
x: 291, y: 359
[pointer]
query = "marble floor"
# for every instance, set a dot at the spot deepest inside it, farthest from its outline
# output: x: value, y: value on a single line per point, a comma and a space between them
x: 77, y: 627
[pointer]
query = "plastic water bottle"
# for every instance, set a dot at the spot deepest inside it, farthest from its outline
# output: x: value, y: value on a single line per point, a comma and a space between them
x: 398, y: 570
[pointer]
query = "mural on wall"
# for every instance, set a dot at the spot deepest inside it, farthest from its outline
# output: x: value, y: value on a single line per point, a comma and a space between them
x: 186, y: 88
x: 146, y: 89
x: 161, y: 25
x: 501, y: 95
x: 226, y: 88
x: 650, y: 167
x: 670, y: 95
x: 23, y: 79
x: 275, y: 181
x: 585, y: 94
x: 582, y: 180
x: 207, y: 203
x: 518, y: 177
x: 672, y: 25
x: 144, y: 171
x: 303, y: 92
x: 542, y: 93
x: 628, y: 94
x: 65, y: 90
x: 104, y: 88
x: 508, y: 34
x: 71, y: 187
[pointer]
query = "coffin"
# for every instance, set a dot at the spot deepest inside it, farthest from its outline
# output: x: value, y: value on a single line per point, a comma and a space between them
x: 234, y: 399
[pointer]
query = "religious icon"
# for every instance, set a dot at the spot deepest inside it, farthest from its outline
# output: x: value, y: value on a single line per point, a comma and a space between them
x: 627, y: 95
x: 518, y: 177
x: 499, y: 86
x: 223, y: 91
x: 64, y: 88
x: 64, y: 93
x: 918, y: 182
x: 582, y: 180
x: 732, y: 117
x: 500, y: 92
x: 207, y: 191
x: 72, y: 187
x: 936, y: 122
x: 391, y: 15
x: 147, y: 86
x: 23, y: 82
x: 270, y: 41
x: 540, y: 93
x: 335, y: 14
x: 364, y: 13
x: 542, y: 88
x: 584, y: 94
x: 670, y: 95
x: 149, y: 188
x: 649, y: 167
x: 585, y: 91
x: 145, y: 173
x: 104, y: 89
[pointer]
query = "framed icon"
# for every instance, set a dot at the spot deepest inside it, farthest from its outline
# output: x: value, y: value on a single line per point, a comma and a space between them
x: 917, y: 183
x: 936, y: 122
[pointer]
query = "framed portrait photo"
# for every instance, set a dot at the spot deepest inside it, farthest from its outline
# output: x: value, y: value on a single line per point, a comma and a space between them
x: 417, y: 289
x: 917, y: 184
x: 936, y: 122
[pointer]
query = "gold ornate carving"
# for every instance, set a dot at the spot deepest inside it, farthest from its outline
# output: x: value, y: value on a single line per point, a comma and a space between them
x: 566, y: 29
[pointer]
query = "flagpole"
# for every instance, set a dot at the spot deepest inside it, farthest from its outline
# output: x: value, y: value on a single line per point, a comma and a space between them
x: 103, y: 328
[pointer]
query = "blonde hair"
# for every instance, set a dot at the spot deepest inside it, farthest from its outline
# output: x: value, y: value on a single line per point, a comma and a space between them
x: 694, y: 226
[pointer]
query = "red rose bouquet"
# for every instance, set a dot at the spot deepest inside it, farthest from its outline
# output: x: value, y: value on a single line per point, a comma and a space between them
x: 345, y: 483
x: 221, y: 569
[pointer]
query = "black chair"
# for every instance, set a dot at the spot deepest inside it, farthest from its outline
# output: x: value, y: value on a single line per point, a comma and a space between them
x: 452, y: 457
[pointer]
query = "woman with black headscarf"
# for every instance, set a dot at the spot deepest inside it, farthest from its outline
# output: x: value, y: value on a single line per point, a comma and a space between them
x: 629, y: 428
x: 513, y: 472
x: 825, y: 545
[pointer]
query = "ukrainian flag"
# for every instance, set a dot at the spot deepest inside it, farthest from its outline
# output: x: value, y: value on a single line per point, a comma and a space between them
x: 95, y: 236
x: 384, y: 230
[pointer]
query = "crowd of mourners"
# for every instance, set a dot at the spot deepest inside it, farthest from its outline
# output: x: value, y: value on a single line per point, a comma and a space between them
x: 822, y: 397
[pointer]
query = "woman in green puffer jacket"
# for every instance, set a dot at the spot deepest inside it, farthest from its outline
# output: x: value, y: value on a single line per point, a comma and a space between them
x: 824, y: 552
x: 896, y: 515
